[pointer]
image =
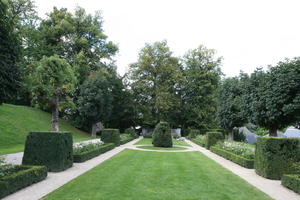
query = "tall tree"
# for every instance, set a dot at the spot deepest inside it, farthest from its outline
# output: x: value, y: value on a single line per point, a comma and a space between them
x: 156, y: 78
x: 202, y: 76
x: 52, y: 82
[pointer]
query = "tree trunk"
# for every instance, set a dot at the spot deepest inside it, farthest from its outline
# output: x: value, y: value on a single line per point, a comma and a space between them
x: 273, y: 132
x: 94, y: 130
x: 230, y: 135
x: 54, y: 121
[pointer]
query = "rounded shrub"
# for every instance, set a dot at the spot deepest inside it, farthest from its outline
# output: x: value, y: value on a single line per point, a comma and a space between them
x: 162, y: 135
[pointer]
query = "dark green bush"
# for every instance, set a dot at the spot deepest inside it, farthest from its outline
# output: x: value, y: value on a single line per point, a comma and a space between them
x: 131, y: 132
x: 148, y: 135
x: 22, y: 177
x: 51, y: 149
x: 212, y: 138
x: 275, y: 156
x: 204, y: 131
x: 291, y: 181
x: 162, y: 135
x: 124, y: 140
x: 111, y: 136
x: 244, y: 162
x: 193, y: 133
x: 83, y: 156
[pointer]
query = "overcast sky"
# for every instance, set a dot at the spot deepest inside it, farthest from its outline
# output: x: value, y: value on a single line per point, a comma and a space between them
x: 247, y: 34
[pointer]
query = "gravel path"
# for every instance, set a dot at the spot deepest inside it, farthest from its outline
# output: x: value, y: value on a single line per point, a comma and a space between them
x: 271, y: 187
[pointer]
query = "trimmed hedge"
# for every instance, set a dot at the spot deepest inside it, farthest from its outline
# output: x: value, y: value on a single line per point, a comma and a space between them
x: 51, y: 149
x: 131, y: 132
x: 23, y: 177
x: 162, y: 135
x: 148, y: 135
x: 212, y: 138
x: 83, y: 156
x: 111, y: 136
x: 291, y: 181
x: 193, y: 133
x: 244, y: 162
x: 126, y: 140
x: 199, y: 142
x: 275, y: 156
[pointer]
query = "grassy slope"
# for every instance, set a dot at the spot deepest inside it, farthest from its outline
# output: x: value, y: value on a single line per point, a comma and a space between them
x: 135, y: 175
x: 17, y: 121
x: 149, y: 141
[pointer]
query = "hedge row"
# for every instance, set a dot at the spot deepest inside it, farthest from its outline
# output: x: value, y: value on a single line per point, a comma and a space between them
x: 51, y: 149
x: 275, y: 156
x: 111, y: 136
x: 126, y: 140
x: 83, y: 156
x: 201, y: 143
x: 23, y: 177
x: 291, y: 181
x: 244, y: 162
x: 212, y: 138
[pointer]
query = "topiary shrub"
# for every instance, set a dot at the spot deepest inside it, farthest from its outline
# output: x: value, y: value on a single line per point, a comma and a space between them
x: 193, y: 133
x: 212, y: 138
x: 162, y: 135
x: 51, y: 149
x: 291, y: 181
x: 111, y: 136
x: 131, y: 132
x: 275, y: 156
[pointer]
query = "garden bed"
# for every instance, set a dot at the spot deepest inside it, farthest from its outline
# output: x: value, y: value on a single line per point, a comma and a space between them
x: 91, y: 152
x: 291, y: 181
x: 21, y: 176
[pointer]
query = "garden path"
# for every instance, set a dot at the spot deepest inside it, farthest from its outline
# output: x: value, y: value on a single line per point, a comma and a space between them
x: 271, y: 187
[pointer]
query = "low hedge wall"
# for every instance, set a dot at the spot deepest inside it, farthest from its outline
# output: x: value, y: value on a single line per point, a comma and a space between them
x: 83, y: 156
x: 244, y: 162
x: 126, y: 140
x: 291, y: 181
x: 212, y: 138
x: 23, y: 177
x: 111, y: 136
x: 201, y: 143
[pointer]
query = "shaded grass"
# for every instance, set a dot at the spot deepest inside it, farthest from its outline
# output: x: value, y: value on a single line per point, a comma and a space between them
x: 17, y: 121
x: 136, y: 175
x: 149, y: 141
x: 161, y: 148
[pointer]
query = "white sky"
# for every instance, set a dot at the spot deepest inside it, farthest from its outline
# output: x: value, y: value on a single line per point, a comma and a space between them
x: 246, y: 33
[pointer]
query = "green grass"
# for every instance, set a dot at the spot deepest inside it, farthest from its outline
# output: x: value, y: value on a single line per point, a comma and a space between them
x: 149, y: 141
x: 136, y: 175
x: 161, y: 148
x: 17, y: 121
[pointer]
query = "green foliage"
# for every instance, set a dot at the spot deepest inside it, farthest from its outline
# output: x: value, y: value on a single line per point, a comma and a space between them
x: 239, y: 148
x: 291, y: 181
x: 131, y: 132
x: 22, y: 177
x: 111, y: 136
x: 202, y: 73
x: 82, y: 147
x: 276, y: 156
x: 212, y: 138
x: 200, y: 140
x: 193, y: 133
x: 238, y: 136
x: 148, y: 135
x: 91, y: 152
x: 52, y: 149
x: 238, y: 159
x: 126, y: 138
x: 162, y: 135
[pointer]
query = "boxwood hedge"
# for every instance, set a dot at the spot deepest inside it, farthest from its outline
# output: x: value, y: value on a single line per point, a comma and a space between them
x: 291, y: 181
x: 51, y: 149
x: 275, y: 156
x: 86, y: 155
x: 212, y: 138
x: 111, y: 136
x: 22, y: 177
x: 244, y: 162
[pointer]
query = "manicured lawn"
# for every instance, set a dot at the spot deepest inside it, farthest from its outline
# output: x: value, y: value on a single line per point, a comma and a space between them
x: 139, y: 175
x: 17, y: 121
x: 149, y: 141
x: 161, y: 148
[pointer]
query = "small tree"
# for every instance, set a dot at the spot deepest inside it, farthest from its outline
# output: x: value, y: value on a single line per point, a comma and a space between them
x: 95, y: 99
x: 162, y: 135
x: 51, y: 83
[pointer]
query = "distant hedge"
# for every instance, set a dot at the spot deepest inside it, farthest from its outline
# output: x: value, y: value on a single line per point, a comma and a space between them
x: 193, y: 133
x: 244, y: 162
x: 23, y: 177
x: 111, y: 136
x: 126, y: 140
x: 148, y: 135
x: 162, y: 135
x: 275, y: 156
x: 51, y: 149
x: 212, y: 138
x: 200, y: 140
x: 83, y: 156
x: 131, y: 132
x: 291, y: 181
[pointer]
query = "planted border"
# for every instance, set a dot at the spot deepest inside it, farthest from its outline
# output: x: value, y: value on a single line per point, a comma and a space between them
x: 25, y: 176
x: 291, y: 181
x: 86, y: 155
x: 244, y: 162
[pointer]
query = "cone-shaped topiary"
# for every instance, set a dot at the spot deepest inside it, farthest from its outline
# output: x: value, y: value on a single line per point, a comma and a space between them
x: 162, y: 135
